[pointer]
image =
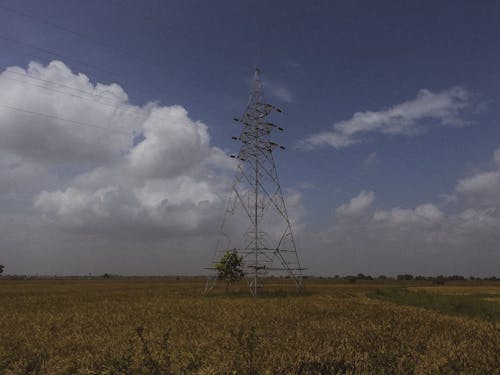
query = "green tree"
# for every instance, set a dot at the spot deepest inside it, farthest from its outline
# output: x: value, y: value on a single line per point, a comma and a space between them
x: 439, y: 280
x: 1, y: 269
x: 229, y: 268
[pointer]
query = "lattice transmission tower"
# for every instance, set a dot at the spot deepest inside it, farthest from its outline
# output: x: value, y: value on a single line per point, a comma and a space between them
x: 256, y: 222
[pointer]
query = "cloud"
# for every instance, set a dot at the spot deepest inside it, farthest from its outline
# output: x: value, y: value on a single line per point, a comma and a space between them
x: 140, y: 214
x: 173, y: 144
x: 458, y: 236
x: 163, y: 193
x: 293, y: 64
x: 424, y: 214
x: 408, y: 118
x: 357, y: 205
x: 101, y: 119
x: 20, y: 179
x: 371, y: 161
x: 496, y: 157
x: 481, y: 189
x: 480, y: 183
x: 278, y: 91
x: 169, y: 182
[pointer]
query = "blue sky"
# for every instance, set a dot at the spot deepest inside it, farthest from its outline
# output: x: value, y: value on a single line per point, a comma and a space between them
x: 322, y: 62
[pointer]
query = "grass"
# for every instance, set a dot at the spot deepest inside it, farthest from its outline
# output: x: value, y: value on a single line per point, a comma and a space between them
x: 479, y: 305
x: 165, y: 326
x: 459, y: 288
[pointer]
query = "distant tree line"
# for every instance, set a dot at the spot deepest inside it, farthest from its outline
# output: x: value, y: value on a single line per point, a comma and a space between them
x: 440, y: 279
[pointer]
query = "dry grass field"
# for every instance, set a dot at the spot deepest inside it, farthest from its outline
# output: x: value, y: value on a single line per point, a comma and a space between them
x: 165, y: 326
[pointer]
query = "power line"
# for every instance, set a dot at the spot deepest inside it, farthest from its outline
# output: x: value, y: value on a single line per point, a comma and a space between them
x: 78, y: 34
x: 213, y: 49
x: 82, y: 97
x: 91, y: 66
x: 54, y: 83
x: 75, y: 122
x: 44, y: 50
x: 135, y: 111
x: 60, y: 92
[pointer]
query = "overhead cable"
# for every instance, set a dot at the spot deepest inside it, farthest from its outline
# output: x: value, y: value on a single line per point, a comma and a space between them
x: 74, y: 122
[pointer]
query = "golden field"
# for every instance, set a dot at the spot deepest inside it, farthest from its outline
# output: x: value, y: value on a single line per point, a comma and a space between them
x: 166, y: 326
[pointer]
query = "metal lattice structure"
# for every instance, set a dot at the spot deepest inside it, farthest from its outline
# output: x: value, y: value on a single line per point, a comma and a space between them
x: 266, y: 244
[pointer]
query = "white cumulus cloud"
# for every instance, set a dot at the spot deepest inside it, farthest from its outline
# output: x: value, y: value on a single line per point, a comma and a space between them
x: 408, y: 118
x: 496, y: 157
x: 480, y: 183
x: 426, y: 213
x: 34, y: 101
x: 170, y: 181
x: 481, y: 189
x: 357, y: 205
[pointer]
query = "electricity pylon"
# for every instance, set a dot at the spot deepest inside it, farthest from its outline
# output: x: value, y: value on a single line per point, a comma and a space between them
x: 266, y: 243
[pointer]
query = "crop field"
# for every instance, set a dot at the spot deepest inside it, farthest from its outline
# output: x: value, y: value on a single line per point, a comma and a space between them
x: 166, y: 326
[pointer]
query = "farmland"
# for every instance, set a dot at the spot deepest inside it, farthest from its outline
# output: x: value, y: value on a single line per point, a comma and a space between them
x: 164, y: 326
